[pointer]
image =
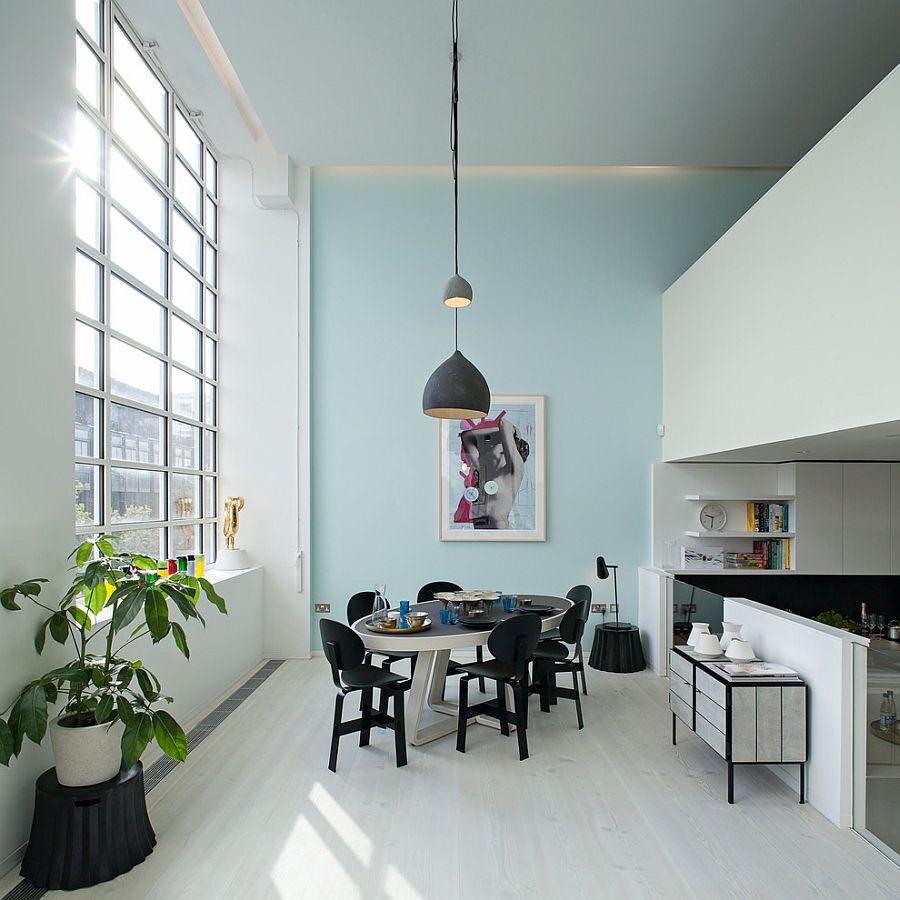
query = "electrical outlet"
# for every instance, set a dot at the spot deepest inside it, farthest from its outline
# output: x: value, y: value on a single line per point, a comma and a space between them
x: 685, y: 607
x: 692, y: 607
x: 598, y: 608
x: 323, y: 607
x: 613, y: 607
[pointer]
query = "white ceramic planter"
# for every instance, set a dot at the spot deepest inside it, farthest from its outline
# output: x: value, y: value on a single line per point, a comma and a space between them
x: 730, y: 631
x: 697, y: 629
x: 88, y: 755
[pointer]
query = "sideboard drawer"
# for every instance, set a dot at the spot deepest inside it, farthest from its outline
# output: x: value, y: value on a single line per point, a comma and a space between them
x: 681, y: 709
x: 711, y: 735
x: 682, y: 666
x: 712, y: 712
x: 677, y: 685
x: 709, y: 686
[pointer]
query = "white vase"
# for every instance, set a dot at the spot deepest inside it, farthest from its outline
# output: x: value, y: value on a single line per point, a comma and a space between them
x: 697, y: 629
x: 88, y: 755
x: 730, y: 631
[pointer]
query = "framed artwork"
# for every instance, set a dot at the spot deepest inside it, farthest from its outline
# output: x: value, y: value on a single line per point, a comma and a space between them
x: 492, y: 473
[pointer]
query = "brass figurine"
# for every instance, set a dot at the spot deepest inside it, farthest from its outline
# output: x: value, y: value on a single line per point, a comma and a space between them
x: 233, y: 505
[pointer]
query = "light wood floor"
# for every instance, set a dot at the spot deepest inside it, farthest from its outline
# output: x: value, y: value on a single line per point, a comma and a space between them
x: 613, y: 811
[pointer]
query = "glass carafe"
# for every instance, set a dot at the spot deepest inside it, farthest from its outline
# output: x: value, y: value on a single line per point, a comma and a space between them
x: 380, y: 605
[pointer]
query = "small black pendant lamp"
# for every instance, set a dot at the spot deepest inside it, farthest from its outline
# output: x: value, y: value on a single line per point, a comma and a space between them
x: 456, y: 389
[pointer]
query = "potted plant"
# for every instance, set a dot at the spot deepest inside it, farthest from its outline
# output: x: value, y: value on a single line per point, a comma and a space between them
x: 111, y: 705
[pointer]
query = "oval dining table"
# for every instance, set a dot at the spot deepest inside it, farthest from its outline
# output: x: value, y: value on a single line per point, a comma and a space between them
x: 433, y: 647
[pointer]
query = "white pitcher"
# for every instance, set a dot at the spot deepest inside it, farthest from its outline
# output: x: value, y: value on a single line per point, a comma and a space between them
x: 730, y: 631
x: 697, y: 628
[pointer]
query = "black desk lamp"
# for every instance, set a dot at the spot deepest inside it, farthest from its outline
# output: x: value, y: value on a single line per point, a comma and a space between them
x: 603, y: 574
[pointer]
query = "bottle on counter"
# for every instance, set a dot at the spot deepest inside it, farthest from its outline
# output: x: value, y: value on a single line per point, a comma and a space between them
x: 172, y: 566
x: 864, y: 619
x: 182, y: 564
x: 201, y: 565
x: 192, y: 564
x: 888, y: 714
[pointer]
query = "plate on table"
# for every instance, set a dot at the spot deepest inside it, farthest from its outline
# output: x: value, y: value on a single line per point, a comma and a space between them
x: 540, y: 608
x: 392, y: 628
x: 445, y: 595
x: 478, y: 621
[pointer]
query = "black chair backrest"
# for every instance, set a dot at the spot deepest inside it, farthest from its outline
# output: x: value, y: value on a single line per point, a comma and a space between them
x: 343, y: 647
x: 581, y: 592
x: 571, y: 628
x: 514, y: 640
x: 360, y: 605
x: 427, y: 591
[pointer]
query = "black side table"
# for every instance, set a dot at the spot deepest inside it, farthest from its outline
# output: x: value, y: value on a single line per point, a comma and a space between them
x: 87, y: 835
x: 617, y: 648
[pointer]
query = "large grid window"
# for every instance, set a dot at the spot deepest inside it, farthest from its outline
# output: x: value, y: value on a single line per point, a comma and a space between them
x: 145, y: 300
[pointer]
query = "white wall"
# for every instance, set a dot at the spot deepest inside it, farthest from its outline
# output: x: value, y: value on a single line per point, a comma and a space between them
x: 824, y: 657
x: 263, y: 452
x: 787, y: 326
x: 36, y: 348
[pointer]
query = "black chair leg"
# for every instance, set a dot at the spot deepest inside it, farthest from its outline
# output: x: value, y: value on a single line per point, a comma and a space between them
x: 383, y: 694
x: 527, y: 697
x: 463, y: 714
x: 544, y: 681
x: 399, y: 728
x: 581, y: 663
x: 479, y: 656
x: 578, y: 698
x: 520, y: 701
x: 366, y: 707
x: 501, y: 703
x: 551, y: 684
x: 336, y: 731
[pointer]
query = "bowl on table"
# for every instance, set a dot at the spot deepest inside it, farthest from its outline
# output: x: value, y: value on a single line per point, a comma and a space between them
x: 524, y: 601
x: 416, y: 619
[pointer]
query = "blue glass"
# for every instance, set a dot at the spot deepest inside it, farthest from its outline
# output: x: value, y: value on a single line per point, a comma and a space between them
x: 510, y: 604
x: 445, y: 617
x: 404, y: 610
x: 453, y: 612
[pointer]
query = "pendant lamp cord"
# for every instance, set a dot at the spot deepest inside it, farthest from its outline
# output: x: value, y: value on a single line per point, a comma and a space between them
x: 454, y: 149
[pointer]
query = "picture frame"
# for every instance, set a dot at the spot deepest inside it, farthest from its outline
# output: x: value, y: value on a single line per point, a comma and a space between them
x: 492, y: 473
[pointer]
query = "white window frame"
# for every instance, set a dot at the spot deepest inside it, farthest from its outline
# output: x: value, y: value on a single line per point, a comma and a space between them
x: 208, y: 274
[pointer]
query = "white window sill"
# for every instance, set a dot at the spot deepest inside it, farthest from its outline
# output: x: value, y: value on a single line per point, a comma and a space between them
x: 222, y: 576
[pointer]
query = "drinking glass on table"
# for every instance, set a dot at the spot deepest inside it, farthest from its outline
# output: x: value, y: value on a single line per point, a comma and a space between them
x: 453, y: 613
x: 510, y: 604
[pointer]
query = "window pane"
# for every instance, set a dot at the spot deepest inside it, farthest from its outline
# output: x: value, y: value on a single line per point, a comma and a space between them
x: 209, y: 364
x: 185, y: 394
x: 186, y: 291
x: 144, y: 541
x: 211, y: 219
x: 187, y: 190
x: 185, y: 446
x: 135, y: 495
x: 87, y: 426
x: 209, y: 544
x: 185, y: 343
x: 211, y: 173
x: 139, y: 76
x: 135, y: 435
x: 131, y: 249
x: 88, y: 490
x: 210, y: 271
x: 132, y: 125
x: 185, y: 496
x: 88, y: 73
x: 136, y: 194
x: 185, y: 539
x: 87, y: 286
x: 209, y: 403
x: 136, y: 315
x: 210, y: 317
x: 186, y: 241
x: 209, y: 496
x: 209, y: 452
x: 88, y: 355
x: 87, y: 12
x: 88, y: 215
x: 136, y: 376
x: 187, y: 143
x: 87, y: 152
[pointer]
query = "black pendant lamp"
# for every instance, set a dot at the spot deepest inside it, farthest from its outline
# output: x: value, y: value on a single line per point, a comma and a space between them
x: 456, y: 389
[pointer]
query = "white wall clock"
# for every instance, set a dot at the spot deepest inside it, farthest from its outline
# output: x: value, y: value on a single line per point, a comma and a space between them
x: 713, y: 517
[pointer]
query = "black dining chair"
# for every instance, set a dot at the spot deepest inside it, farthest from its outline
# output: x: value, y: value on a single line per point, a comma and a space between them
x: 346, y: 653
x: 575, y: 594
x: 512, y: 643
x: 552, y: 657
x: 426, y: 593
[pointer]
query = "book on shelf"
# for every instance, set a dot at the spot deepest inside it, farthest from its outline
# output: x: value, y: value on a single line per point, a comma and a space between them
x: 756, y: 670
x: 771, y: 517
x: 774, y: 553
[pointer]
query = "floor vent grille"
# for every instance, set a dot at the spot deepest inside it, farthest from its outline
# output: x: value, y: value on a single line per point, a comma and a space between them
x: 158, y: 770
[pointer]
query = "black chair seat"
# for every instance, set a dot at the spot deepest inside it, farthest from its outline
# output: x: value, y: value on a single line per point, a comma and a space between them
x: 552, y: 635
x: 551, y: 650
x: 366, y: 676
x: 398, y: 654
x: 491, y: 668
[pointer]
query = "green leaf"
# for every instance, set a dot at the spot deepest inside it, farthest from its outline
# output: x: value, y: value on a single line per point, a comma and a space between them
x: 145, y: 562
x: 105, y: 547
x: 7, y: 743
x: 138, y: 733
x: 170, y: 736
x: 80, y: 617
x: 131, y: 600
x: 59, y: 627
x: 104, y: 710
x: 95, y: 597
x: 83, y: 553
x: 95, y: 572
x: 50, y: 691
x: 186, y: 606
x: 32, y: 587
x: 147, y: 687
x: 156, y: 612
x: 41, y: 636
x: 126, y: 712
x: 29, y: 714
x: 8, y: 599
x: 180, y: 639
x: 99, y: 678
x: 213, y: 597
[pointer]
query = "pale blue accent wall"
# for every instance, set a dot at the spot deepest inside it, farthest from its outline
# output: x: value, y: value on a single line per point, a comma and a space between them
x: 567, y: 269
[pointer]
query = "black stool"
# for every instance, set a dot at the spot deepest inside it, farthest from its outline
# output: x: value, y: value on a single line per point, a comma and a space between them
x: 617, y: 648
x: 81, y: 836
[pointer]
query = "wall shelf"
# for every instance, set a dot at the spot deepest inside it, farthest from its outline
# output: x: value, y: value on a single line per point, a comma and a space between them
x: 771, y: 498
x: 731, y: 571
x: 755, y: 535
